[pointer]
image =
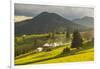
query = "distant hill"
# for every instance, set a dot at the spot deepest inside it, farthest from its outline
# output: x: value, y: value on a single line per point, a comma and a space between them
x: 85, y: 21
x: 46, y: 22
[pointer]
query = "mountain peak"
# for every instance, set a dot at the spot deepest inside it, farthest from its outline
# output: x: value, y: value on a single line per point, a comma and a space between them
x: 47, y: 13
x: 46, y: 22
x: 44, y: 12
x: 85, y: 21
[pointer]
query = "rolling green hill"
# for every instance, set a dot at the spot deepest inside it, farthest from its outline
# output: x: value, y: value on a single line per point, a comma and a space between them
x: 56, y: 56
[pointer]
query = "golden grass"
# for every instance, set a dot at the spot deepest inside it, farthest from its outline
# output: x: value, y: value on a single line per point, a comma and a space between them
x: 88, y: 56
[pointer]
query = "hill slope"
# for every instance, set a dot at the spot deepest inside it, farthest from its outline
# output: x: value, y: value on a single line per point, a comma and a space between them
x: 46, y: 22
x: 56, y: 56
x: 85, y: 21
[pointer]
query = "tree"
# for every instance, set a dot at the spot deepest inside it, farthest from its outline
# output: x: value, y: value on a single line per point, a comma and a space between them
x: 77, y: 40
x: 53, y: 37
x: 35, y: 43
x: 49, y: 35
x: 66, y: 50
x: 67, y: 34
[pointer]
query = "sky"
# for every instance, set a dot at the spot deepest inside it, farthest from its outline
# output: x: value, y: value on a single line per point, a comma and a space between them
x: 26, y: 11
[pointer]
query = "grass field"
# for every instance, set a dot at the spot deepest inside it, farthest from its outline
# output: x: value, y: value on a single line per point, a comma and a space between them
x: 88, y: 56
x: 56, y: 56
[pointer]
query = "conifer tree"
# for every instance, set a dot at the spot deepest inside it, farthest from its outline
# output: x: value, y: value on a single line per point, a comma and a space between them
x: 77, y: 40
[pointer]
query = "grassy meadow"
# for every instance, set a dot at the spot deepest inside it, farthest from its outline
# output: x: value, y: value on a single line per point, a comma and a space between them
x: 26, y: 45
x: 47, y: 34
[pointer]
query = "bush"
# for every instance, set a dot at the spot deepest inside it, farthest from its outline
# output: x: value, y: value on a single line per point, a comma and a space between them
x: 49, y: 49
x: 66, y: 50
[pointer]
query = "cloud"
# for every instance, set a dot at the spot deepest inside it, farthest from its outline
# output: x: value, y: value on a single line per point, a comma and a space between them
x: 21, y: 18
x: 65, y: 11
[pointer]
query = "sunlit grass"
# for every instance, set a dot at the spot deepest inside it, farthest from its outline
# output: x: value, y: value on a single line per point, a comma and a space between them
x: 51, y: 57
x: 88, y: 55
x: 39, y: 56
x: 54, y: 56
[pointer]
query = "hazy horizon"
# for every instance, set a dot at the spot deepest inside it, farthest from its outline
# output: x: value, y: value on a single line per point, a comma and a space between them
x: 27, y: 11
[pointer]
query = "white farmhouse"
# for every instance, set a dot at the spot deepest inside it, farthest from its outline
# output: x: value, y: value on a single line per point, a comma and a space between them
x: 39, y: 49
x: 52, y: 44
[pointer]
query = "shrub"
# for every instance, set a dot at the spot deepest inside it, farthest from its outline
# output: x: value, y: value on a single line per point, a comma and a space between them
x: 66, y: 50
x: 49, y: 49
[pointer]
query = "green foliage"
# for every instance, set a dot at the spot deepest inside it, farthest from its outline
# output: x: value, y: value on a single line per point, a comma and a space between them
x: 25, y: 51
x: 77, y: 40
x: 66, y: 50
x: 67, y: 35
x: 29, y: 43
x: 88, y: 35
x: 55, y: 56
x: 49, y: 49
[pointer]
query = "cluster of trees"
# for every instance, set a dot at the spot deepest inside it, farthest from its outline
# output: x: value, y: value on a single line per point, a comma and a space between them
x: 28, y: 45
x: 22, y: 50
x: 77, y: 42
x: 88, y: 35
